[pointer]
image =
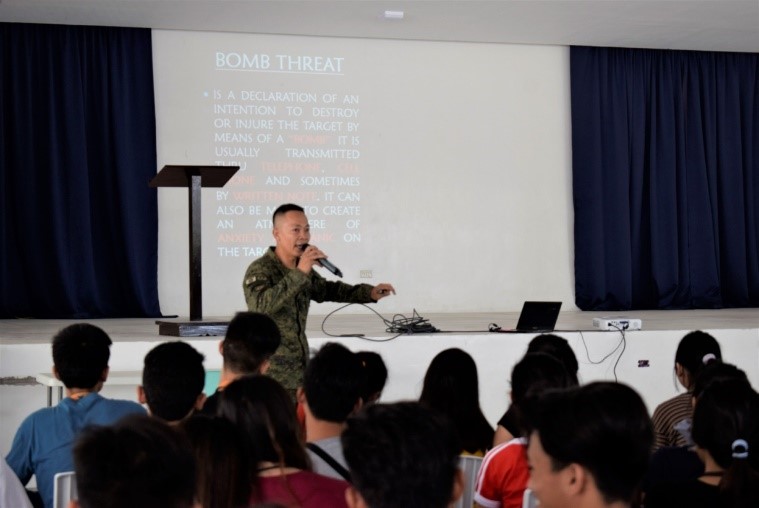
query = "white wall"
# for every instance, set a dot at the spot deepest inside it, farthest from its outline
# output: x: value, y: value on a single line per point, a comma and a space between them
x: 464, y: 165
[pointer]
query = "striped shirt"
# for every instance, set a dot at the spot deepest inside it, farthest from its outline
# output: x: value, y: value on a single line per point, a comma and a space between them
x: 672, y: 421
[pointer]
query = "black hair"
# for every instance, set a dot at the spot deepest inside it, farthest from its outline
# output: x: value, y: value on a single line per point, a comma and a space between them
x: 173, y: 377
x: 224, y: 475
x: 376, y: 375
x: 138, y: 461
x: 559, y: 348
x: 717, y: 372
x: 451, y: 386
x: 726, y: 424
x: 283, y: 209
x: 333, y: 383
x: 264, y: 412
x: 696, y: 350
x: 532, y: 376
x: 251, y: 339
x: 80, y: 353
x: 602, y: 426
x: 402, y: 454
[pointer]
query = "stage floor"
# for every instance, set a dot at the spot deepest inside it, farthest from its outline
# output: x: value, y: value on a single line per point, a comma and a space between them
x: 35, y: 331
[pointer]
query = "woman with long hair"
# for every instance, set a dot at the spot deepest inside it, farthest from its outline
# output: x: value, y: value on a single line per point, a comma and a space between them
x: 451, y: 387
x: 263, y: 411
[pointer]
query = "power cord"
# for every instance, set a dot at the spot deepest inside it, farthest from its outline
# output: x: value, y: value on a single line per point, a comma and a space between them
x: 622, y: 343
x: 399, y: 325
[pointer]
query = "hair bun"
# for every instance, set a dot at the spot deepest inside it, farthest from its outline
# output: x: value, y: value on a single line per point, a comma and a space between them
x: 708, y: 358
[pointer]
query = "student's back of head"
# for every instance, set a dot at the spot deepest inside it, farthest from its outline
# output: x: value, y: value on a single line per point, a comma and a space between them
x: 80, y: 354
x: 251, y: 339
x: 173, y: 378
x: 139, y: 461
x: 402, y: 454
x: 726, y: 425
x: 334, y: 383
x: 451, y: 386
x: 695, y: 351
x: 594, y: 438
x: 376, y: 375
x: 560, y: 349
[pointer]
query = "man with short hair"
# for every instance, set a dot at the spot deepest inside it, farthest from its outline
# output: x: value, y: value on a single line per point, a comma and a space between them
x: 282, y: 284
x: 42, y: 445
x: 402, y: 454
x: 332, y: 389
x: 251, y: 340
x: 173, y: 379
x: 590, y: 447
x: 138, y: 462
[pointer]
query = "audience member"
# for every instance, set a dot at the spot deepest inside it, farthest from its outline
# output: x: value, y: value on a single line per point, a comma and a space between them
x: 264, y: 412
x: 138, y: 462
x: 223, y: 474
x: 42, y: 445
x: 589, y: 447
x: 250, y: 341
x: 672, y: 464
x: 402, y: 454
x: 551, y: 344
x: 672, y: 418
x: 726, y: 433
x: 376, y: 375
x: 332, y: 388
x: 451, y: 386
x: 172, y: 381
x: 504, y: 473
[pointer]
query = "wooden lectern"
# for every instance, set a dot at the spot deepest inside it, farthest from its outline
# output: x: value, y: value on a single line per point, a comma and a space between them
x: 193, y: 177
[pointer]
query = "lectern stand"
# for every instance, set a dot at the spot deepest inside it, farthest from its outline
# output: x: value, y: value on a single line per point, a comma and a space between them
x: 194, y: 178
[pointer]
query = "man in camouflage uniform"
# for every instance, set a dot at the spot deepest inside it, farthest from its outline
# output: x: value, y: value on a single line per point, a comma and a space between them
x: 282, y: 283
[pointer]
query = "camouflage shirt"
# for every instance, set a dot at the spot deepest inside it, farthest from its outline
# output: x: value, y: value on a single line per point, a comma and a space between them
x: 285, y: 294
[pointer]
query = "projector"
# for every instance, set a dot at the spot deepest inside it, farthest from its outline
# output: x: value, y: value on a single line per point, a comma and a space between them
x: 617, y: 323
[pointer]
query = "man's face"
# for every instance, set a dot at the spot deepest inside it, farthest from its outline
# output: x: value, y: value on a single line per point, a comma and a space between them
x: 544, y: 481
x: 291, y: 232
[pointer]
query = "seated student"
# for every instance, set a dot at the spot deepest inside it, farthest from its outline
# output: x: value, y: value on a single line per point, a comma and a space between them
x: 503, y: 476
x: 223, y: 472
x: 672, y: 464
x: 451, y: 386
x: 551, y: 344
x: 138, y: 462
x: 172, y: 381
x: 332, y: 387
x: 376, y: 375
x: 726, y: 433
x: 250, y: 341
x: 402, y: 454
x: 589, y: 447
x: 264, y: 412
x: 42, y: 445
x: 672, y: 418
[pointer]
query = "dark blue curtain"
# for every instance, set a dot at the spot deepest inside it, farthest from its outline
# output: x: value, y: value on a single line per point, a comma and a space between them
x: 665, y: 156
x: 77, y: 149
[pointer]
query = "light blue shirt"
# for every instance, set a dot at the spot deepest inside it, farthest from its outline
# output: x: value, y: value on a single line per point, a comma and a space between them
x: 43, y: 442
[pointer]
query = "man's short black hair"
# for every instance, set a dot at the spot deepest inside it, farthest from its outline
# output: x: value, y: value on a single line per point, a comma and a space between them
x: 531, y: 377
x: 139, y: 461
x: 283, y: 209
x: 376, y: 374
x: 559, y: 348
x: 173, y: 378
x: 80, y: 354
x: 605, y: 428
x: 333, y: 383
x: 251, y: 339
x: 402, y: 454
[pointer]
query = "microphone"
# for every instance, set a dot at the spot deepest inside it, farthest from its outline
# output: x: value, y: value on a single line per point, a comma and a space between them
x: 328, y: 265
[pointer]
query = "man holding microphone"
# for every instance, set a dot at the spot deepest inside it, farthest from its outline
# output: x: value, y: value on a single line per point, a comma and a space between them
x: 282, y: 283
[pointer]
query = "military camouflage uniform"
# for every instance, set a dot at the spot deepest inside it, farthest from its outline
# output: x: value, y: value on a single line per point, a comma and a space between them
x: 285, y: 294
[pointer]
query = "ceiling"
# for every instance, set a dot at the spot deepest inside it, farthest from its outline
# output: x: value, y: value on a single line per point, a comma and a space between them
x: 709, y: 25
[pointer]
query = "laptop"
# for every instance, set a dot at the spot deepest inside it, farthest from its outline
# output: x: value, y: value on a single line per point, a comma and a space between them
x: 537, y: 317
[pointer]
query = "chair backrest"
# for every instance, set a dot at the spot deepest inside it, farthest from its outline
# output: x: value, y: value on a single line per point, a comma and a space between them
x: 470, y: 466
x: 64, y: 489
x: 529, y: 500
